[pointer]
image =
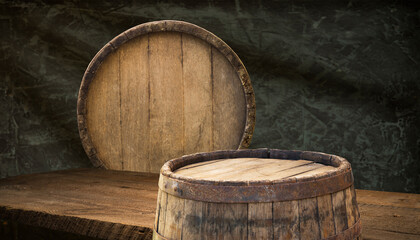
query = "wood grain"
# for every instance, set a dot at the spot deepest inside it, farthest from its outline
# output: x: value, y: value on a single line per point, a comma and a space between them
x: 228, y: 116
x: 103, y: 112
x: 260, y: 221
x: 198, y: 95
x: 174, y: 217
x: 121, y: 205
x: 134, y: 74
x: 245, y: 169
x: 339, y: 208
x: 309, y: 219
x: 166, y: 98
x: 286, y: 220
x: 326, y: 216
x: 193, y: 222
x: 154, y: 94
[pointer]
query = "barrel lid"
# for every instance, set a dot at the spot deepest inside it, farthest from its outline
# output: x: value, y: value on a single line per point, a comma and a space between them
x: 162, y: 90
x: 258, y: 175
x: 252, y: 169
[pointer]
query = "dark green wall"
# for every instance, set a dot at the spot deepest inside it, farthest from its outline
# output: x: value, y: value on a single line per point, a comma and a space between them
x: 334, y: 76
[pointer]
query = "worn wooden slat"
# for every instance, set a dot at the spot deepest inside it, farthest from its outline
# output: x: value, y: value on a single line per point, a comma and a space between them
x: 103, y: 112
x: 326, y: 216
x: 221, y: 169
x: 243, y: 169
x: 134, y: 73
x: 174, y: 217
x: 315, y: 171
x: 223, y: 221
x: 193, y: 219
x: 230, y: 221
x: 163, y: 205
x: 198, y: 95
x: 276, y: 171
x: 209, y: 223
x: 228, y: 117
x: 260, y: 220
x: 350, y: 208
x: 309, y: 219
x: 286, y: 220
x: 340, y: 214
x: 166, y: 103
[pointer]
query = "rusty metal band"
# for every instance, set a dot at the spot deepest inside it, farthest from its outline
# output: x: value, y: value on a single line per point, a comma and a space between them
x: 157, y: 236
x: 267, y: 192
x: 350, y: 233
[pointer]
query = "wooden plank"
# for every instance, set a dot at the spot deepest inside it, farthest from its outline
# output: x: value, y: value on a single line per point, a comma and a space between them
x: 163, y: 204
x: 351, y: 210
x: 270, y: 171
x: 286, y: 220
x: 233, y: 221
x: 223, y: 221
x: 193, y: 219
x: 315, y: 171
x: 194, y: 165
x: 228, y: 114
x: 389, y: 222
x: 198, y: 95
x: 340, y: 212
x: 104, y: 203
x: 166, y: 98
x: 92, y: 202
x: 103, y: 112
x: 326, y: 216
x: 309, y: 219
x: 134, y: 73
x: 260, y: 221
x: 209, y: 221
x: 245, y: 169
x: 174, y: 217
x: 405, y: 200
x: 291, y: 172
x: 223, y: 169
x: 158, y: 211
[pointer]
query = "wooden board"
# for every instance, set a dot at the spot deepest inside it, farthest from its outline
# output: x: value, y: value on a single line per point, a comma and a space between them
x: 121, y: 205
x: 162, y: 90
x: 247, y: 169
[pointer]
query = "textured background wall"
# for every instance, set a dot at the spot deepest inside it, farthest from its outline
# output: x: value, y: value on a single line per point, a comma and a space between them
x: 340, y: 77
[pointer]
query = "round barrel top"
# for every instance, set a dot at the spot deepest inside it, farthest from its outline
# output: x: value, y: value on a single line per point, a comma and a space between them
x: 257, y: 175
x: 251, y: 169
x: 162, y: 90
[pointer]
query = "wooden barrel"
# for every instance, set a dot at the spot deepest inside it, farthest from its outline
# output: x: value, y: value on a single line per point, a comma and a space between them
x: 257, y: 194
x: 162, y: 90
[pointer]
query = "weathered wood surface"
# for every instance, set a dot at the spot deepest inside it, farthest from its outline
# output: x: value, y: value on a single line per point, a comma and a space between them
x: 162, y: 90
x: 247, y: 169
x: 218, y: 181
x: 121, y: 205
x: 92, y: 202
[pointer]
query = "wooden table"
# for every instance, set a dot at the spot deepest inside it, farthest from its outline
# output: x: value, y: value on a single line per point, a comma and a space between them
x: 121, y: 205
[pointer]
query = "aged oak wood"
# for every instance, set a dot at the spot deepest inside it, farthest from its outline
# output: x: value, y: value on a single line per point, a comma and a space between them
x: 162, y: 90
x: 110, y: 204
x: 315, y: 189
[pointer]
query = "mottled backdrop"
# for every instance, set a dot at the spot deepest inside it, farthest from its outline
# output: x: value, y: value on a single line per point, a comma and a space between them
x: 334, y: 76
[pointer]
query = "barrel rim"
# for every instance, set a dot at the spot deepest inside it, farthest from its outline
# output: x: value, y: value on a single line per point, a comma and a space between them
x: 153, y: 27
x: 256, y: 191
